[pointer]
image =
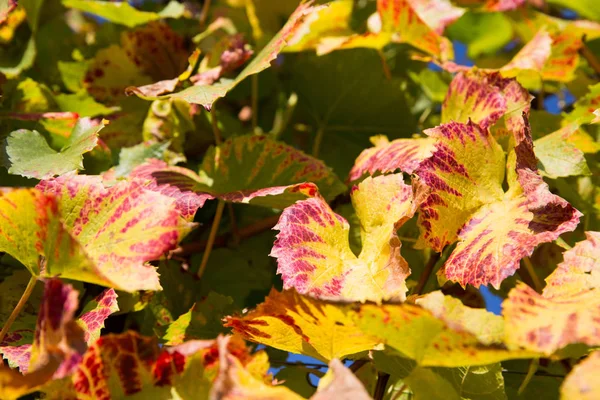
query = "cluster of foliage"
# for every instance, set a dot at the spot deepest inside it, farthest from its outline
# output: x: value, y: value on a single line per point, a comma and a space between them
x: 235, y: 199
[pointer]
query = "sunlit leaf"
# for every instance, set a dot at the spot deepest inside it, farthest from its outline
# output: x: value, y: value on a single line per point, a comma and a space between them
x: 123, y: 13
x: 29, y: 154
x: 340, y: 382
x: 567, y: 310
x: 95, y: 313
x: 303, y: 325
x: 120, y: 228
x: 462, y: 338
x: 558, y: 156
x: 580, y: 383
x: 314, y: 255
x: 58, y: 345
x: 245, y: 169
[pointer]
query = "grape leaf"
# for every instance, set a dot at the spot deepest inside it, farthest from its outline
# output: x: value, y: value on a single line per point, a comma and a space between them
x: 123, y: 13
x: 120, y: 228
x: 206, y: 95
x: 57, y: 347
x: 580, y: 383
x: 461, y: 338
x: 95, y: 313
x: 302, y: 325
x: 30, y: 156
x: 386, y: 156
x: 558, y: 156
x: 314, y: 256
x: 567, y: 311
x: 202, y: 321
x: 245, y: 169
x: 340, y: 382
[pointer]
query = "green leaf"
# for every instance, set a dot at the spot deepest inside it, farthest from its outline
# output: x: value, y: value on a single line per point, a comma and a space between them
x: 131, y: 157
x: 473, y: 29
x: 83, y: 104
x: 203, y: 321
x: 558, y: 156
x: 30, y: 156
x: 124, y: 14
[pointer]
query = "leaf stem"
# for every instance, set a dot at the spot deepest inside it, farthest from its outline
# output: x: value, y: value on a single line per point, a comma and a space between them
x: 215, y: 124
x: 317, y: 143
x: 235, y: 231
x: 533, y: 366
x: 356, y: 365
x: 382, y: 381
x: 589, y: 56
x: 433, y: 259
x: 211, y: 237
x: 537, y: 284
x: 204, y: 13
x: 18, y: 307
x: 254, y: 99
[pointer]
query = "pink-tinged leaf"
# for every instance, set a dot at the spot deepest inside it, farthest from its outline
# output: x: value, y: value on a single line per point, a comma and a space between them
x: 499, y: 234
x: 314, y: 255
x: 495, y: 5
x: 533, y: 55
x: 176, y: 182
x: 399, y: 18
x: 121, y: 365
x: 486, y: 98
x: 582, y: 382
x: 31, y: 228
x: 6, y: 8
x: 246, y: 169
x: 96, y: 312
x: 568, y: 310
x: 400, y: 154
x: 536, y: 322
x: 464, y: 173
x: 437, y: 14
x: 57, y: 330
x: 120, y: 228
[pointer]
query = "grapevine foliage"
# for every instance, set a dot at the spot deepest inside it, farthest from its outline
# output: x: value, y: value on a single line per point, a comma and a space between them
x: 285, y: 199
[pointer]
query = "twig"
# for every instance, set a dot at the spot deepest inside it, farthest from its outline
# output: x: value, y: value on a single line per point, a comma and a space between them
x: 221, y: 241
x: 589, y: 56
x: 317, y: 143
x: 211, y: 237
x: 433, y: 259
x: 18, y: 307
x: 537, y: 284
x: 382, y: 380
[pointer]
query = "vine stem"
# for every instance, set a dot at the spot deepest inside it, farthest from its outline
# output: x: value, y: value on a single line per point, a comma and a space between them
x: 433, y: 259
x: 317, y: 143
x: 254, y: 99
x: 382, y: 381
x: 531, y: 271
x: 245, y: 232
x: 211, y: 237
x: 204, y: 13
x: 19, y: 307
